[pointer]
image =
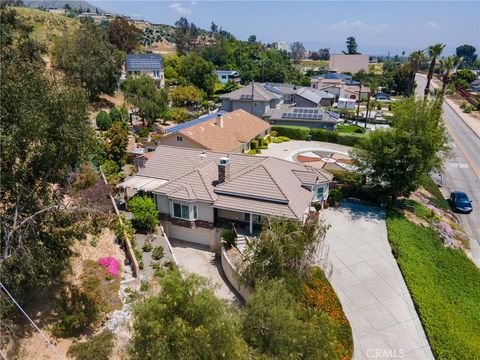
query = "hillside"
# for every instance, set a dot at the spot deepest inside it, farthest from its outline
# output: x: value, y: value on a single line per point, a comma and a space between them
x: 46, y: 26
x: 59, y: 4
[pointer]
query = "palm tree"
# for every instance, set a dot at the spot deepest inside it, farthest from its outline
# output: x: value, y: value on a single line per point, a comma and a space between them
x: 447, y: 65
x: 416, y: 59
x: 434, y: 52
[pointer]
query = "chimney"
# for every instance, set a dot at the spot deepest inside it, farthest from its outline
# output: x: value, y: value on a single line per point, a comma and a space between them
x: 220, y: 120
x: 223, y: 169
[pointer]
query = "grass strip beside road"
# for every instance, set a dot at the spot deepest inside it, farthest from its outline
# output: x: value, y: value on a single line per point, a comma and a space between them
x: 444, y: 285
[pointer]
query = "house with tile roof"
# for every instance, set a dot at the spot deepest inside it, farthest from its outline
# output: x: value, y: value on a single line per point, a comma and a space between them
x: 199, y: 193
x: 303, y: 116
x: 222, y: 131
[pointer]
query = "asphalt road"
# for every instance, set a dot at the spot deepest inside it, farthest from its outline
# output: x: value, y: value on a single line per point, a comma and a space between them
x: 462, y: 169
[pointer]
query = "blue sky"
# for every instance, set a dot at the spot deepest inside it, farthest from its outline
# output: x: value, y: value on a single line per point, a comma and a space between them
x: 379, y: 26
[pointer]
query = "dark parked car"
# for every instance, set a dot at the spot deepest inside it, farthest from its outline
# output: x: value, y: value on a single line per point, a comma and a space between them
x: 381, y: 96
x: 460, y: 202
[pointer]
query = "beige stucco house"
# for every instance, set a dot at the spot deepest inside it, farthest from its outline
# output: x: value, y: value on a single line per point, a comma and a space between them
x: 199, y: 193
x: 222, y: 131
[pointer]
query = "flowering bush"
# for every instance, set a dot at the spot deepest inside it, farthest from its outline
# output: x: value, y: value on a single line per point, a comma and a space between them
x: 112, y: 265
x: 446, y: 228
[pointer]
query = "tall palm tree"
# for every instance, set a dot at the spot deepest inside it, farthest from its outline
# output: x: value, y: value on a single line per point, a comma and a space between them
x: 447, y: 65
x: 434, y: 51
x: 416, y: 59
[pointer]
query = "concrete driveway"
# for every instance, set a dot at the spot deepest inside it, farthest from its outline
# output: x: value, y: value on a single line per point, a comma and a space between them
x: 200, y: 260
x: 371, y: 288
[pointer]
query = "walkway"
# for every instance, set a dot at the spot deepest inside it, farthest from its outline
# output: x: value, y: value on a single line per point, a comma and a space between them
x: 371, y: 288
x: 200, y: 260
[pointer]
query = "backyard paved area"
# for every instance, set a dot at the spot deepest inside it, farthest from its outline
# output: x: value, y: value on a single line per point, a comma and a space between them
x: 201, y: 261
x: 289, y: 149
x: 372, y: 291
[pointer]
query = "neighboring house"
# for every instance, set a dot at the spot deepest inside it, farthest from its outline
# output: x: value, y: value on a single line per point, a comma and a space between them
x: 341, y: 90
x: 199, y: 193
x: 146, y: 64
x: 348, y: 63
x: 280, y: 45
x: 309, y: 97
x: 304, y: 116
x: 225, y: 76
x: 253, y: 98
x: 225, y: 132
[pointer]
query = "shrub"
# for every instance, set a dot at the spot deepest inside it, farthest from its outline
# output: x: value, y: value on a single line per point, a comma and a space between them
x: 111, y: 264
x: 229, y: 237
x: 260, y: 141
x: 109, y: 167
x: 103, y: 121
x: 292, y: 132
x: 335, y: 196
x: 254, y: 144
x: 283, y: 138
x: 85, y: 178
x: 468, y: 109
x: 263, y: 147
x: 273, y: 133
x: 324, y: 135
x: 98, y: 347
x: 117, y: 114
x: 76, y: 310
x: 143, y: 132
x: 158, y: 253
x: 147, y: 247
x: 144, y: 212
x: 252, y: 152
x: 349, y: 139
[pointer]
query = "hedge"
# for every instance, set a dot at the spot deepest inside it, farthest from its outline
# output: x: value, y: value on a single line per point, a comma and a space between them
x: 443, y: 283
x: 301, y: 133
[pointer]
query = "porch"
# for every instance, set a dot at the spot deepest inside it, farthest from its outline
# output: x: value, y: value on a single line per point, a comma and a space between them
x: 245, y: 224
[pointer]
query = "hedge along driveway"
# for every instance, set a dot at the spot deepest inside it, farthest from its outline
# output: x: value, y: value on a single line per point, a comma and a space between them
x: 301, y: 133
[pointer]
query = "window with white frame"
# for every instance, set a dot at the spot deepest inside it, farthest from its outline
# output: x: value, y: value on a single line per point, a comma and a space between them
x: 320, y: 191
x: 184, y: 211
x: 256, y: 219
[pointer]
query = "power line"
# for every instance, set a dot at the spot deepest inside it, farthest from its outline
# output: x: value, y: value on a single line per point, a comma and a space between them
x: 34, y: 325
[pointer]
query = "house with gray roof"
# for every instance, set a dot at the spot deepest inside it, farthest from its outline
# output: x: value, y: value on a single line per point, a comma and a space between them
x: 199, y: 193
x: 310, y: 97
x: 253, y: 98
x: 146, y: 64
x: 303, y: 116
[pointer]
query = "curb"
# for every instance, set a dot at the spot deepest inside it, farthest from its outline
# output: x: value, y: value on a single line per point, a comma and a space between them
x: 447, y: 101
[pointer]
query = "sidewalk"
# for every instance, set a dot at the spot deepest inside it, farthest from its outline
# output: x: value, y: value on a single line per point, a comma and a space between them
x: 471, y: 122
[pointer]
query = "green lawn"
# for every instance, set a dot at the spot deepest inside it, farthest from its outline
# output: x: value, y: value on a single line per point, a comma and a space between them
x: 445, y: 287
x: 437, y: 198
x: 350, y: 129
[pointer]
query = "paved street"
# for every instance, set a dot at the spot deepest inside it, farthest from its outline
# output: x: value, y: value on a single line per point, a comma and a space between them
x: 370, y: 286
x: 462, y: 169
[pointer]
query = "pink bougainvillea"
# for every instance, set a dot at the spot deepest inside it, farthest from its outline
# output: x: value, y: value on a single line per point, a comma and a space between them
x: 112, y: 265
x: 446, y: 228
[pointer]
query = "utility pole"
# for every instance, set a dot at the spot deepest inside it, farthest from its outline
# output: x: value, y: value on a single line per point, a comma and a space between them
x: 251, y: 99
x: 359, y: 94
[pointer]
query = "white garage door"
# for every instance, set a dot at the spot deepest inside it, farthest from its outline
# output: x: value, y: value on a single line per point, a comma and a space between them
x: 197, y: 235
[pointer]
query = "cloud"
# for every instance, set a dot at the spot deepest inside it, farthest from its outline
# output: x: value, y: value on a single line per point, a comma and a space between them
x: 179, y: 9
x: 431, y: 25
x: 193, y: 2
x: 356, y: 24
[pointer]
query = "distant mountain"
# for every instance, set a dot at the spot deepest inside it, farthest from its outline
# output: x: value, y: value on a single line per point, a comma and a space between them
x: 59, y: 4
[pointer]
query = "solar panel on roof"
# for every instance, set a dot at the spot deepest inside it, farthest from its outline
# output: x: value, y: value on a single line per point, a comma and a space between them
x: 197, y: 121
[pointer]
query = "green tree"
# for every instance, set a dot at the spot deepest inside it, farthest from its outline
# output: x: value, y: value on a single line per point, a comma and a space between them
x: 252, y: 39
x: 186, y: 321
x: 275, y: 325
x: 297, y: 50
x: 103, y: 120
x: 45, y: 135
x: 186, y: 95
x: 396, y: 159
x: 416, y: 59
x: 119, y: 114
x: 467, y: 53
x: 199, y: 72
x: 123, y: 35
x: 285, y: 249
x: 434, y: 51
x: 401, y: 80
x: 447, y: 65
x: 351, y: 46
x: 116, y: 144
x: 142, y: 92
x: 144, y: 212
x: 463, y: 77
x: 186, y: 36
x: 86, y: 56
